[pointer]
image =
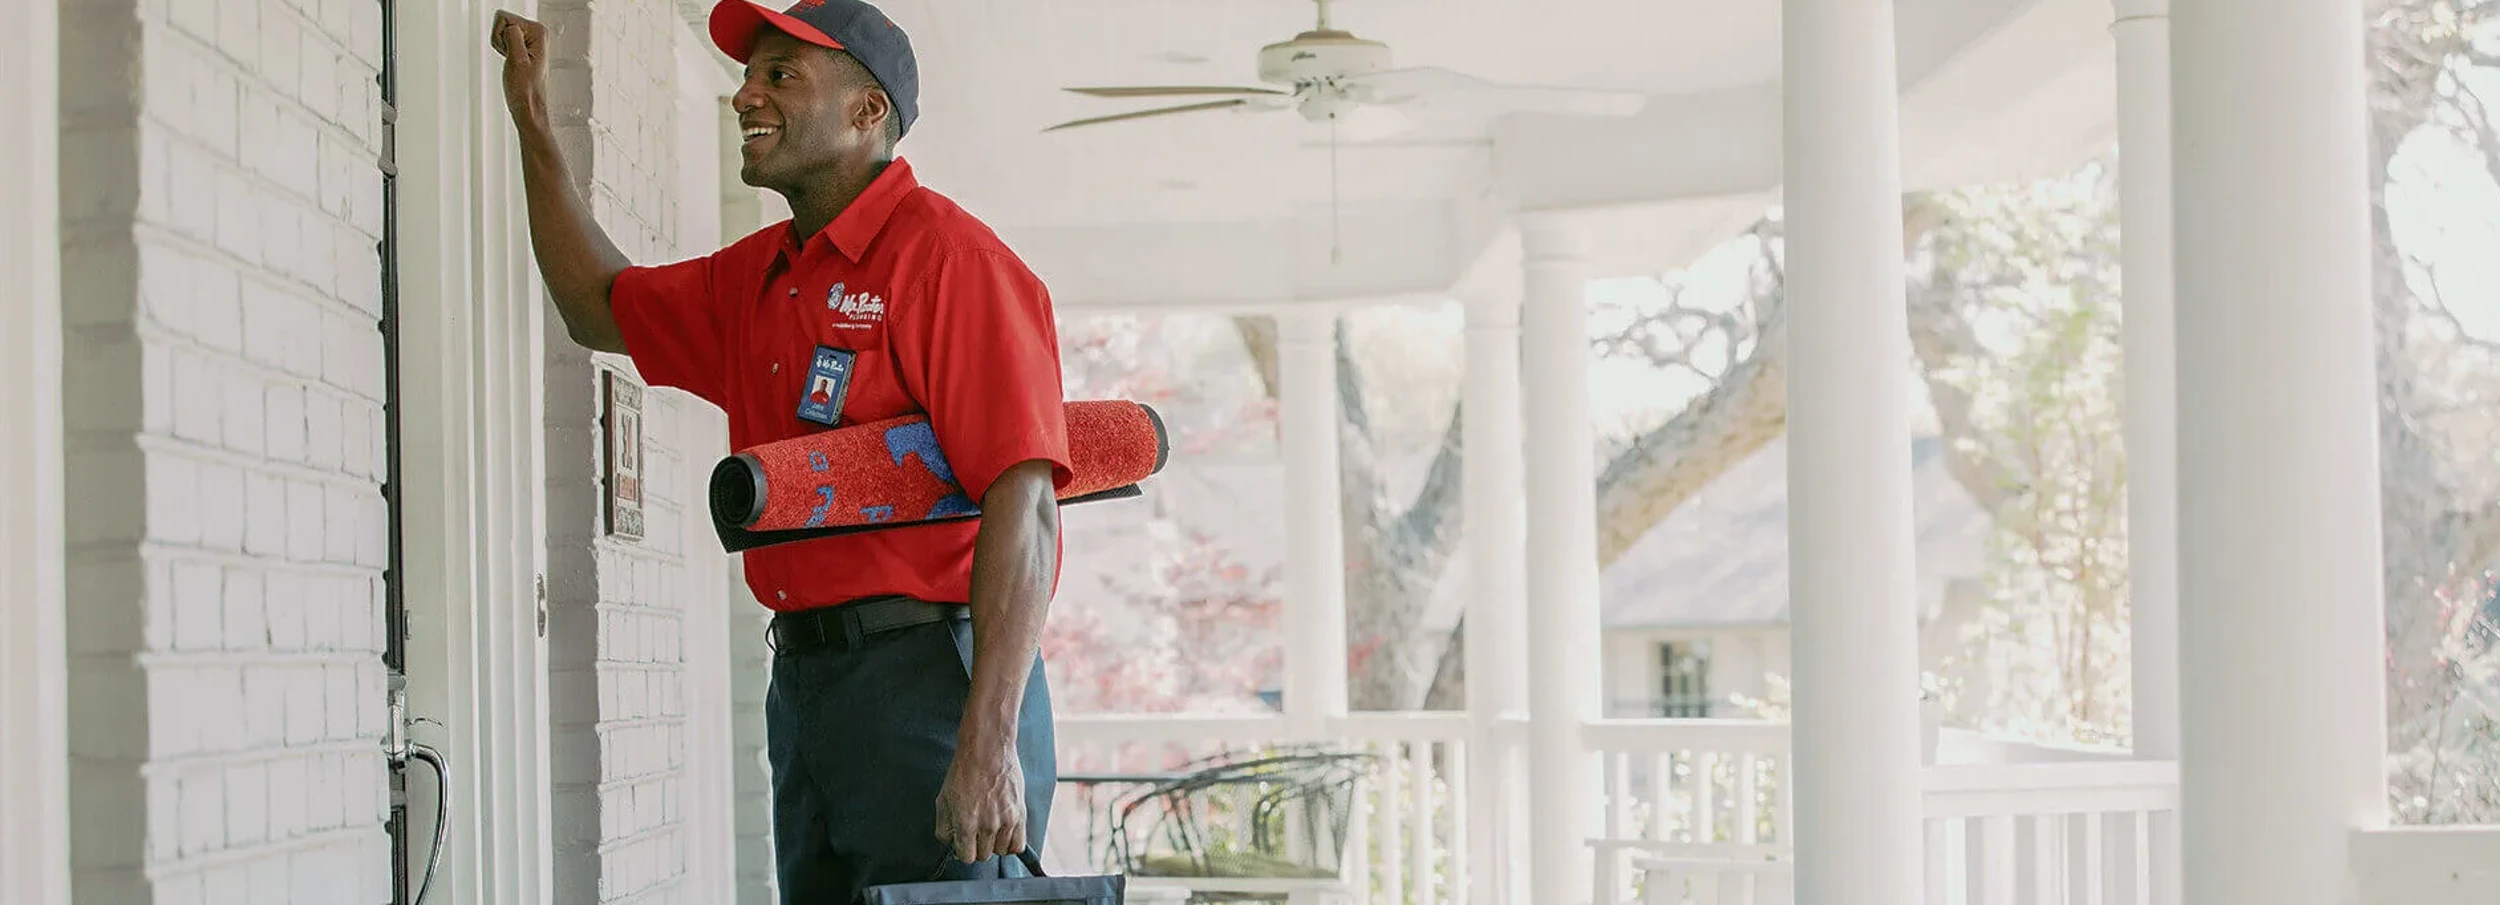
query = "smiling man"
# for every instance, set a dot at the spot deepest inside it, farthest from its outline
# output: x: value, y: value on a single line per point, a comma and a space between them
x: 910, y: 727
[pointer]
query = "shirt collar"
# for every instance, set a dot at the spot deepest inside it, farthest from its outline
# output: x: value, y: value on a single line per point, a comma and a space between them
x: 857, y: 225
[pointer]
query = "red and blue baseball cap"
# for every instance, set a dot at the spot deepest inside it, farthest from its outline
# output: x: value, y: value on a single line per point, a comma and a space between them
x: 850, y: 26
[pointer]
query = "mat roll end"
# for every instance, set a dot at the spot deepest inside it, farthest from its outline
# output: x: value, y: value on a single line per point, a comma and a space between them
x: 738, y: 490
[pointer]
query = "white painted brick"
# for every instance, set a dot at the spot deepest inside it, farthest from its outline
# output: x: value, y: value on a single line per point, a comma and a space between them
x: 372, y: 719
x: 264, y: 706
x: 247, y: 804
x: 265, y: 313
x: 197, y: 19
x: 304, y: 338
x: 273, y: 882
x: 356, y: 438
x: 378, y: 433
x: 326, y: 793
x: 238, y: 25
x: 180, y: 889
x: 192, y: 186
x: 172, y: 498
x: 163, y: 808
x: 320, y: 90
x: 195, y: 398
x: 173, y: 723
x: 322, y: 431
x: 219, y: 695
x: 203, y: 811
x: 247, y: 620
x: 264, y: 515
x: 154, y: 184
x: 242, y: 412
x: 156, y: 381
x: 221, y: 507
x: 373, y: 531
x: 360, y: 278
x: 304, y: 521
x: 285, y: 606
x: 263, y: 148
x: 357, y: 364
x: 199, y: 606
x: 281, y: 51
x: 337, y: 171
x: 288, y: 799
x: 340, y: 531
x: 305, y: 719
x: 340, y: 683
x: 321, y: 614
x: 282, y: 244
x: 238, y: 216
x: 300, y: 144
x: 227, y: 883
x: 355, y: 628
x: 219, y: 97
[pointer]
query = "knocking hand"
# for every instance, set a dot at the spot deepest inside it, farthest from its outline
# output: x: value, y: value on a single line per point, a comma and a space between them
x: 523, y: 44
x: 980, y: 810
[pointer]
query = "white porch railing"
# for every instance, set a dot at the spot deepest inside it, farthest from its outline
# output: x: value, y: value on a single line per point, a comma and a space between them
x: 1411, y: 819
x: 2051, y: 834
x: 1706, y: 800
x: 1691, y: 810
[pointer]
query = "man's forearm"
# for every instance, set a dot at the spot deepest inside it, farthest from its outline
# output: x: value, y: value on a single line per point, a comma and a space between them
x: 574, y: 254
x: 1014, y: 563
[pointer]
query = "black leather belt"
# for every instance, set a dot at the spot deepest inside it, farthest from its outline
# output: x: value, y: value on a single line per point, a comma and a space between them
x: 843, y: 626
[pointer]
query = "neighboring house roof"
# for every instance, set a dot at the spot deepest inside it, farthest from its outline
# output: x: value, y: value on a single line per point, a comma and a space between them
x: 1721, y: 560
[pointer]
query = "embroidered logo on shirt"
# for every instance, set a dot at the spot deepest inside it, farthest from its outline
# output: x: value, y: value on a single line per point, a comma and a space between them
x: 854, y: 306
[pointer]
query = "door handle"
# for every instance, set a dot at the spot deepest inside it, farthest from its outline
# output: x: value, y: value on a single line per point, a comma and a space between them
x: 419, y: 751
x: 399, y: 749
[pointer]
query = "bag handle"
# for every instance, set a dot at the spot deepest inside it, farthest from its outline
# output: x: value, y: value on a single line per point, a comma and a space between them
x: 1032, y: 863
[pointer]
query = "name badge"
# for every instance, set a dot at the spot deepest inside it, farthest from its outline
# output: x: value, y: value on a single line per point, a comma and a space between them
x: 828, y: 380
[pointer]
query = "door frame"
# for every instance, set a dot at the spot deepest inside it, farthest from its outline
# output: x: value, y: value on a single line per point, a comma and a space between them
x: 34, y: 671
x: 473, y: 520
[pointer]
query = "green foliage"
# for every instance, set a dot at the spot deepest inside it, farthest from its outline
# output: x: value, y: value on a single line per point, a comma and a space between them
x: 2032, y: 271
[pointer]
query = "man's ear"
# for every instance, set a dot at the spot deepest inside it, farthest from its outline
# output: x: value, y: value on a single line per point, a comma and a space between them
x: 870, y: 113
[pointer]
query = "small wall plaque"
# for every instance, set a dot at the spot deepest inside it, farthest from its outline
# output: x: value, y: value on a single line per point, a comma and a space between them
x: 621, y: 422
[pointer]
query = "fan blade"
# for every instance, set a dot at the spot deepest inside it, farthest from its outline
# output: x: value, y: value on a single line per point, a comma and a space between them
x: 1141, y: 114
x: 1395, y: 86
x: 1172, y: 91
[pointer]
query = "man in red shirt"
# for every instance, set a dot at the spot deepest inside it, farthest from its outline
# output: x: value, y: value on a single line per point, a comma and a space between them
x: 908, y: 716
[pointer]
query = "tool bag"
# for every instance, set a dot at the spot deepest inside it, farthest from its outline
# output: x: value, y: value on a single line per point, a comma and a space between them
x: 1038, y: 889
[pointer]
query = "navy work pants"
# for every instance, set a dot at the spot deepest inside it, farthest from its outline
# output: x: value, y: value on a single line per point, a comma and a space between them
x: 860, y: 739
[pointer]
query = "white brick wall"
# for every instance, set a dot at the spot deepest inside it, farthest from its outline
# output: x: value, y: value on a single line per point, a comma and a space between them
x: 224, y: 384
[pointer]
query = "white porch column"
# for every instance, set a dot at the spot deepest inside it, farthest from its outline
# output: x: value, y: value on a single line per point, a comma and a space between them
x: 1306, y: 407
x: 1561, y: 541
x: 1853, y: 635
x: 2283, y: 733
x: 1495, y: 514
x: 34, y: 723
x: 2142, y: 31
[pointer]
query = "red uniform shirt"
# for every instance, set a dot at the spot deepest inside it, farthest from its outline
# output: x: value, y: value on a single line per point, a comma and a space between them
x: 944, y: 320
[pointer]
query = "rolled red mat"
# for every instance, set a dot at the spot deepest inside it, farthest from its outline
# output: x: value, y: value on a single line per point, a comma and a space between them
x: 891, y: 473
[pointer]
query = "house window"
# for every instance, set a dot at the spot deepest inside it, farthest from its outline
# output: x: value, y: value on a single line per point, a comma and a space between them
x: 1684, y: 679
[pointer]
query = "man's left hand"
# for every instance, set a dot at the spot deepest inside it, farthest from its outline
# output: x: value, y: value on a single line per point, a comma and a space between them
x: 980, y: 810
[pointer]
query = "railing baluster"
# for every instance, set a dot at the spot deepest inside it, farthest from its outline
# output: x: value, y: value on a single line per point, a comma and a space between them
x: 1420, y: 820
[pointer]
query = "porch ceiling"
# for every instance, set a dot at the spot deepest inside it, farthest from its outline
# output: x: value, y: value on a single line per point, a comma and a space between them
x: 1224, y: 208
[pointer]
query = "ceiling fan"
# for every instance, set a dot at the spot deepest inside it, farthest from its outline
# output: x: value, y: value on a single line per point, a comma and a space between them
x: 1329, y: 75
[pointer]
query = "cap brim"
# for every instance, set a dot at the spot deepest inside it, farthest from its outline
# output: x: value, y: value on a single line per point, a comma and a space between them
x: 736, y: 24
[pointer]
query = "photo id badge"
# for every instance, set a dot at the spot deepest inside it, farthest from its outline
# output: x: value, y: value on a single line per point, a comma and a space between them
x: 828, y: 379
